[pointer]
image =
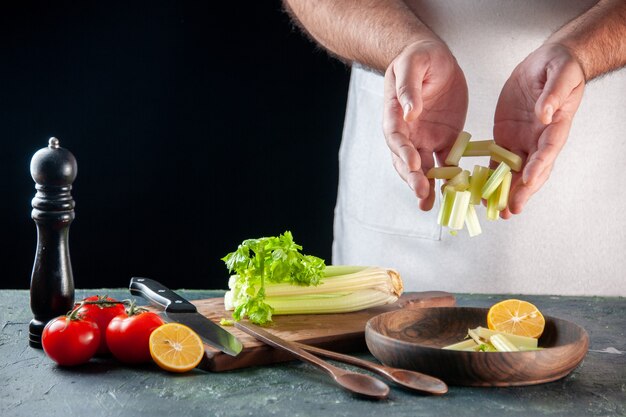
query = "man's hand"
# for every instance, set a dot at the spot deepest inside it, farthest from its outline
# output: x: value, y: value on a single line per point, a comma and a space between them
x: 534, y: 115
x: 424, y: 110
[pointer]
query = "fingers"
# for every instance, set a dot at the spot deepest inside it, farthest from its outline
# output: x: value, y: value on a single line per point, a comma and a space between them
x: 395, y: 129
x: 560, y: 82
x: 549, y: 146
x: 428, y: 161
x: 538, y: 166
x: 411, y: 144
x: 554, y: 108
x: 521, y: 192
x: 559, y: 75
x: 409, y: 76
x: 428, y: 203
x: 416, y: 180
x: 406, y: 159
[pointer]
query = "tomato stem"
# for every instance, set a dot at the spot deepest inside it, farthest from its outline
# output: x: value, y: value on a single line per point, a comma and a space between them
x: 133, y: 309
x: 101, y: 302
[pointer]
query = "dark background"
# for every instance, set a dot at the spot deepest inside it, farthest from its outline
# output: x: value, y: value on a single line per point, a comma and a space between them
x: 195, y: 125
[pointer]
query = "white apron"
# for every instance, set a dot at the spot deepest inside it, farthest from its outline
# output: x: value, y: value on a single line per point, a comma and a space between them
x: 571, y: 237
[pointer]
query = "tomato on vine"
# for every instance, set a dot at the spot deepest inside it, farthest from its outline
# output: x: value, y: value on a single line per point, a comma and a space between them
x: 101, y: 310
x: 70, y: 340
x: 128, y: 335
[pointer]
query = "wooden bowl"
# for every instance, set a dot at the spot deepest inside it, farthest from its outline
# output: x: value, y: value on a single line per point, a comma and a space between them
x: 412, y: 339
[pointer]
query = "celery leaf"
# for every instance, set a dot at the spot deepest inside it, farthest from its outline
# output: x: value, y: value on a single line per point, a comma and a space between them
x: 276, y: 259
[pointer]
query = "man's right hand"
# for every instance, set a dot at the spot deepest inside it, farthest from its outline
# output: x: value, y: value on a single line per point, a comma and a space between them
x: 424, y: 111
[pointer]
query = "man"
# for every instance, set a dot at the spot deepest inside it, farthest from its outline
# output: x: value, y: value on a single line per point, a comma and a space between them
x: 430, y: 51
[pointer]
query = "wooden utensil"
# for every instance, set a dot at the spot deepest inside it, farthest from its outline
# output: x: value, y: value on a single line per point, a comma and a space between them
x: 343, y: 332
x: 352, y: 381
x: 408, y: 379
x: 412, y: 339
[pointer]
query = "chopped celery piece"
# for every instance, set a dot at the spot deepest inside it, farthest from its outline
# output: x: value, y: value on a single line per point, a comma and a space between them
x: 482, y: 183
x: 447, y: 202
x: 521, y: 342
x: 443, y: 173
x: 465, y: 344
x: 486, y: 347
x: 460, y: 182
x: 499, y: 154
x: 494, y: 180
x: 503, y: 191
x: 471, y: 221
x: 486, y: 340
x: 500, y: 342
x: 459, y: 210
x: 492, y: 207
x: 471, y: 333
x: 477, y: 180
x: 478, y: 148
x: 457, y: 150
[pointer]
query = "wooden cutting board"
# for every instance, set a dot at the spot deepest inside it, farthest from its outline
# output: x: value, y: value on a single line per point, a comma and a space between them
x: 339, y: 332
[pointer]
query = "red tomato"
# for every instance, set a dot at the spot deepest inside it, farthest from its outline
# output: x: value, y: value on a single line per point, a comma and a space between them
x: 101, y: 314
x: 128, y: 336
x: 70, y: 342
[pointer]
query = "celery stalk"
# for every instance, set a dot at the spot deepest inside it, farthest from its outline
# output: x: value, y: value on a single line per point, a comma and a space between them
x: 471, y: 221
x: 465, y: 344
x: 337, y: 279
x: 457, y: 150
x: 492, y: 207
x: 477, y: 181
x: 503, y: 191
x: 499, y: 154
x: 494, y: 180
x: 478, y: 148
x: 471, y: 333
x: 500, y: 342
x: 340, y: 303
x: 443, y: 173
x: 446, y: 206
x: 460, y: 182
x: 459, y: 210
x: 522, y: 342
x: 343, y: 289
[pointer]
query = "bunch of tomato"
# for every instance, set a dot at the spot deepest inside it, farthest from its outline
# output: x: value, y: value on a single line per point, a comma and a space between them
x: 100, y: 326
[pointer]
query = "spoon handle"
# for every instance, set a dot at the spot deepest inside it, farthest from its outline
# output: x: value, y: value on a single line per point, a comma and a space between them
x: 378, y: 388
x: 340, y: 357
x: 279, y: 343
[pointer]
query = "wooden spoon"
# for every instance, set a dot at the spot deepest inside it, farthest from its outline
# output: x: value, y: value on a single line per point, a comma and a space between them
x: 352, y: 381
x: 408, y: 379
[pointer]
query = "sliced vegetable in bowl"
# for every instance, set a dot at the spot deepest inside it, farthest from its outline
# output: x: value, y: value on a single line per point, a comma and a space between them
x: 481, y: 339
x: 514, y: 325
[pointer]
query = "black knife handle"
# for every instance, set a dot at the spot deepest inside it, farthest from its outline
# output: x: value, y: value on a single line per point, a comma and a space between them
x: 159, y: 294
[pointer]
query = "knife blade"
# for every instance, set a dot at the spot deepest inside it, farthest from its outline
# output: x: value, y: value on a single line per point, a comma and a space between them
x: 177, y: 309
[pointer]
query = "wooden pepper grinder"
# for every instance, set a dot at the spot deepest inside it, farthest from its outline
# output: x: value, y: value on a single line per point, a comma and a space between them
x: 52, y: 285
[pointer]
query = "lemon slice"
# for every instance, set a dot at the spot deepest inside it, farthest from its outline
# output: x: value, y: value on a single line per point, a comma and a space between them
x: 516, y: 317
x: 176, y: 348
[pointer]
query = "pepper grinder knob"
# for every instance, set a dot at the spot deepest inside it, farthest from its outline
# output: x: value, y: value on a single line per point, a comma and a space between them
x: 52, y: 284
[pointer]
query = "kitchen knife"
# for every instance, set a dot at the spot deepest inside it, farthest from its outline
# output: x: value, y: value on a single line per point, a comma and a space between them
x: 182, y: 311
